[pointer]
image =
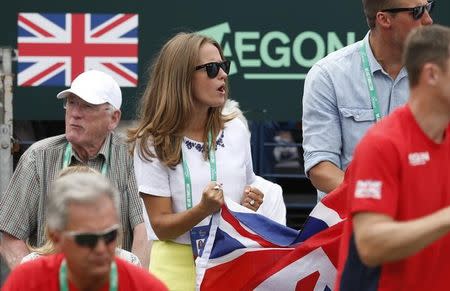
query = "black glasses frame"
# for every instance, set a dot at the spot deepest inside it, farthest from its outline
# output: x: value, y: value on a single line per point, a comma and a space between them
x: 90, y: 240
x: 212, y: 69
x: 417, y: 12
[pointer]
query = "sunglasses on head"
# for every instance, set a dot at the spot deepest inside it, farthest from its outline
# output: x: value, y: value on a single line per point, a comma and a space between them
x: 90, y: 240
x: 212, y: 69
x: 417, y: 12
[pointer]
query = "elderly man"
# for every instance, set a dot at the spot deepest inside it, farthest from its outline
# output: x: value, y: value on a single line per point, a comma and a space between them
x: 83, y: 223
x: 92, y: 107
x: 397, y: 236
x: 354, y: 87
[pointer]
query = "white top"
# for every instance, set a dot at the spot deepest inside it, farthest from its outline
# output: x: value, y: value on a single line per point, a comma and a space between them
x: 234, y: 170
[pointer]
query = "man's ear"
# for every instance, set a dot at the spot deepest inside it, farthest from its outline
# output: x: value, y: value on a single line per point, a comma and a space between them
x: 430, y: 72
x: 115, y: 118
x: 383, y: 19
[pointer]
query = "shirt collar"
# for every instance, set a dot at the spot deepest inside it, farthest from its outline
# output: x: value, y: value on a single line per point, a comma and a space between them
x: 375, y: 65
x: 103, y: 152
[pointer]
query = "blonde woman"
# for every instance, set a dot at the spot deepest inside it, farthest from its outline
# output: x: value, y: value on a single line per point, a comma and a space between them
x: 187, y: 155
x: 48, y: 247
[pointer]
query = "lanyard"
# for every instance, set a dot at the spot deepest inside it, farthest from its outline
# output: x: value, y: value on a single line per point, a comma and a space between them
x: 370, y: 84
x: 187, y: 175
x: 63, y: 286
x: 68, y: 154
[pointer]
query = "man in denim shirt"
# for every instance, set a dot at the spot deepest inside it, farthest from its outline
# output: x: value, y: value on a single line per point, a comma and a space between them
x: 338, y: 106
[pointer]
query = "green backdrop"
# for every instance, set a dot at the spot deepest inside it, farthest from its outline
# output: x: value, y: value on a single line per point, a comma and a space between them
x: 272, y: 45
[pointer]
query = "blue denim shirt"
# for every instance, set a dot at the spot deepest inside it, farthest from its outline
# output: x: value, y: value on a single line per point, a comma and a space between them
x: 337, y: 110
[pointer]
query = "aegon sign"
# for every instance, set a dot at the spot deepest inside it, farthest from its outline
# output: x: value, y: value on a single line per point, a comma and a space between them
x: 274, y: 49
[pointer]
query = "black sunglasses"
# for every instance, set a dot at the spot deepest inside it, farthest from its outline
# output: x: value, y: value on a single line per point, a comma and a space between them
x: 212, y: 69
x: 417, y: 12
x: 90, y: 240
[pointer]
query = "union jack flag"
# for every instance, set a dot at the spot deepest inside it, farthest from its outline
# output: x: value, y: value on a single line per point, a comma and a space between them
x: 247, y: 251
x: 55, y: 48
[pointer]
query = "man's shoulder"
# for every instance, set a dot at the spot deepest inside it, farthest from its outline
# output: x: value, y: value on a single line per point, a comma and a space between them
x: 120, y: 150
x: 40, y: 272
x: 118, y: 140
x: 137, y: 277
x: 49, y: 143
x: 125, y: 267
x: 45, y: 147
x: 341, y: 57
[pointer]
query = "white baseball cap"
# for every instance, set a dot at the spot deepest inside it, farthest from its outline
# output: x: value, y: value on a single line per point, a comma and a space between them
x: 95, y: 87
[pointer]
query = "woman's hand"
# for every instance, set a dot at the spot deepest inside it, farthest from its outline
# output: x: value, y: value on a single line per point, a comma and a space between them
x: 253, y: 198
x: 212, y: 198
x: 169, y: 225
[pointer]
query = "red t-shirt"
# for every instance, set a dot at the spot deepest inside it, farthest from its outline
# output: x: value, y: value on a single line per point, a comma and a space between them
x: 398, y: 171
x: 43, y: 274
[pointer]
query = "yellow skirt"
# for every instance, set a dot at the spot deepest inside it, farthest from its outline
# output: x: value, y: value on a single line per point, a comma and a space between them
x: 173, y: 263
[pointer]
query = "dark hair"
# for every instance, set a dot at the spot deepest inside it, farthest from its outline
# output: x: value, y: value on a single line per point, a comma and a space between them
x: 371, y: 7
x: 427, y: 44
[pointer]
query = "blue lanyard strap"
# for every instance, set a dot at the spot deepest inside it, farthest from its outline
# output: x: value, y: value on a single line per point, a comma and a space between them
x: 187, y: 175
x: 63, y: 282
x: 370, y: 83
x: 68, y: 155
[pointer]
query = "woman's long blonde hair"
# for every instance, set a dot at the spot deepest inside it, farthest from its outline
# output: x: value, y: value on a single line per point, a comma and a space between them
x: 167, y: 103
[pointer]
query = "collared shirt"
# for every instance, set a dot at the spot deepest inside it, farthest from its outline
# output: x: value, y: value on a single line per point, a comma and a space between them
x: 337, y: 110
x: 22, y: 206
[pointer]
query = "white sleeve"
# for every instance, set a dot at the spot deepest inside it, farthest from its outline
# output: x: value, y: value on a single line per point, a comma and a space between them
x: 151, y: 177
x: 249, y: 164
x: 250, y: 175
x: 273, y: 205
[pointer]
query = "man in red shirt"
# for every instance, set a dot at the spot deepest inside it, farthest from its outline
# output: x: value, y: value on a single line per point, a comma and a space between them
x: 397, y: 234
x: 83, y: 223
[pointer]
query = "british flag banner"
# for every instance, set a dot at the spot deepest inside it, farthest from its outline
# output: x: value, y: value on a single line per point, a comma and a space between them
x: 247, y: 251
x: 54, y: 48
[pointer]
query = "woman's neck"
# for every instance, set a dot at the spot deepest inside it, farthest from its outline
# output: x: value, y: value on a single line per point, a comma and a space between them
x: 196, y: 128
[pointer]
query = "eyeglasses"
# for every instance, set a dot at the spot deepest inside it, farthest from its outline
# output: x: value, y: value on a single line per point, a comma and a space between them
x: 70, y: 103
x: 90, y: 239
x: 417, y: 12
x: 212, y: 69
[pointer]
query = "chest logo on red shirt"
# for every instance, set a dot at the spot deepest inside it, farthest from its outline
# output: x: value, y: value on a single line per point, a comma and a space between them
x: 368, y: 189
x: 418, y: 159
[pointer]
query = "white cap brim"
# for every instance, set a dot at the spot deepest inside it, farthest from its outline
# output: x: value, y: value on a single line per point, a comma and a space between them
x: 83, y: 95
